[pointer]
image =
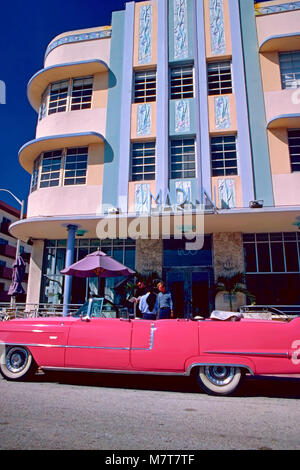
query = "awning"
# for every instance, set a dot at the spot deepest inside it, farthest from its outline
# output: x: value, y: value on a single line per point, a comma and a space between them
x: 281, y: 42
x: 285, y: 120
x: 31, y: 150
x: 246, y: 220
x: 39, y: 82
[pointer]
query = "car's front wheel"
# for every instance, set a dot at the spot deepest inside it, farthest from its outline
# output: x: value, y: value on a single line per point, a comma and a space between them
x: 17, y: 363
x: 219, y: 379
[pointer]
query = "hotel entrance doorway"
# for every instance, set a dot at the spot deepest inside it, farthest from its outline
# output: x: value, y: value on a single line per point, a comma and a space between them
x: 190, y: 289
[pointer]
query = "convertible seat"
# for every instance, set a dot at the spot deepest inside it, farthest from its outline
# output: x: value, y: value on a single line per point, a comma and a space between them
x: 225, y: 316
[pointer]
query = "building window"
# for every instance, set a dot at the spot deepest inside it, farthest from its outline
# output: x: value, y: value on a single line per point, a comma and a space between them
x: 75, y: 166
x: 219, y: 78
x: 82, y: 90
x: 35, y: 175
x: 182, y: 82
x: 294, y: 148
x: 272, y: 252
x: 145, y: 86
x: 290, y: 69
x: 182, y: 158
x: 143, y: 161
x: 58, y: 97
x: 67, y: 95
x: 223, y: 155
x: 51, y: 166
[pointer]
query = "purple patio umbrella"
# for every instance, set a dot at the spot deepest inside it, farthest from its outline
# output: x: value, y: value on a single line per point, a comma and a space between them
x: 97, y: 264
x: 17, y: 277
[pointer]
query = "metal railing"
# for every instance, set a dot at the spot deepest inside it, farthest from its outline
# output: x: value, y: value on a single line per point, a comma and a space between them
x: 293, y: 310
x: 33, y: 310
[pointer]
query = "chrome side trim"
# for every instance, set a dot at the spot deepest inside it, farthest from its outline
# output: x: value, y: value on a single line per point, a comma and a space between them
x: 251, y: 353
x: 148, y: 348
x: 112, y: 371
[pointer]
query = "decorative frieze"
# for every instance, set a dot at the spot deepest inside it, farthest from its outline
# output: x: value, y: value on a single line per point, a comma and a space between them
x: 226, y: 193
x: 145, y: 35
x: 142, y: 199
x: 217, y: 28
x: 182, y: 116
x: 267, y: 10
x: 103, y: 33
x: 143, y: 119
x: 181, y: 47
x: 222, y: 112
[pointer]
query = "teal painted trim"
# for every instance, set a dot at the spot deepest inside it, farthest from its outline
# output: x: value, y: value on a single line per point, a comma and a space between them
x: 191, y: 129
x: 190, y: 33
x: 256, y: 108
x: 113, y: 118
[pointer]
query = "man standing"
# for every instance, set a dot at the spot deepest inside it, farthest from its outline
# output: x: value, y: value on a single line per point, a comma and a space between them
x: 165, y: 303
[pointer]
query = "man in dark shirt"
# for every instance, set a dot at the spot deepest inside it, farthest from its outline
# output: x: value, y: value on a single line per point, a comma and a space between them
x: 165, y: 303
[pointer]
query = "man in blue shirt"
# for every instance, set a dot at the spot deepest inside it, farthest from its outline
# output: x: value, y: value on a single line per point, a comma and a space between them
x: 165, y: 303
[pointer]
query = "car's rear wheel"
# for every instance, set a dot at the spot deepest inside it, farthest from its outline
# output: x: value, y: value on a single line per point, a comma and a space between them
x: 17, y: 363
x: 219, y: 379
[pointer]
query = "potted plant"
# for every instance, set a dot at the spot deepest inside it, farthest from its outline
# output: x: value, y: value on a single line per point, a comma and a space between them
x: 232, y: 284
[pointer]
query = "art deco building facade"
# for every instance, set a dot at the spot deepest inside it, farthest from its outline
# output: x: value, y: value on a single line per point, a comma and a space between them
x: 193, y: 101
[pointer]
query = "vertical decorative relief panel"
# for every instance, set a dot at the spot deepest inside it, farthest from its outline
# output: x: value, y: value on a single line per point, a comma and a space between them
x: 222, y: 112
x: 183, y: 190
x: 182, y: 116
x: 145, y: 35
x: 181, y: 47
x: 226, y: 193
x: 143, y: 119
x: 217, y: 30
x: 142, y: 198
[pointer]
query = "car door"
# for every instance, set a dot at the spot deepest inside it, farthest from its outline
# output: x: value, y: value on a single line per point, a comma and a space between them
x: 99, y: 343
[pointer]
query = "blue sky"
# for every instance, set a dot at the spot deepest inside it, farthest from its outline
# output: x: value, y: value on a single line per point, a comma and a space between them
x: 27, y: 27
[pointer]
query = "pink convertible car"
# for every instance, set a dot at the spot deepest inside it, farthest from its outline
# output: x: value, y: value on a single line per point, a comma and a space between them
x: 95, y: 339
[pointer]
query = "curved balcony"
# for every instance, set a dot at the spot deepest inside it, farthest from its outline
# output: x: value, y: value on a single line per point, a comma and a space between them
x: 39, y: 82
x: 287, y: 121
x: 280, y: 42
x: 31, y: 150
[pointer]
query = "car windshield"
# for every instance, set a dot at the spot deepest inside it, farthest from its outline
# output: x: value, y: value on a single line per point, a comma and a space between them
x: 100, y: 308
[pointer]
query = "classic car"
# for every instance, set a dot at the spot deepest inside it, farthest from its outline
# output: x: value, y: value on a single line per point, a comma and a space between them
x: 217, y: 352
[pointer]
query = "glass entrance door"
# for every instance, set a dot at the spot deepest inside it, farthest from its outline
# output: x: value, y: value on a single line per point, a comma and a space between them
x: 190, y: 291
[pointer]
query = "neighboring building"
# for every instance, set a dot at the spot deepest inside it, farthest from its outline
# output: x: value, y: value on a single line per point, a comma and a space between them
x: 8, y: 215
x: 193, y: 101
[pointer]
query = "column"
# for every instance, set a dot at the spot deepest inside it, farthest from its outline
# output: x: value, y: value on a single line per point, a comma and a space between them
x: 162, y: 100
x: 69, y: 260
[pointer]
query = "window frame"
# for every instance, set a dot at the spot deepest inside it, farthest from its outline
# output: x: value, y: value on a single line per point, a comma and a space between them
x: 294, y: 73
x: 143, y: 164
x: 293, y: 170
x: 223, y: 168
x: 182, y: 94
x: 220, y: 90
x: 183, y: 172
x: 142, y: 98
x: 46, y: 97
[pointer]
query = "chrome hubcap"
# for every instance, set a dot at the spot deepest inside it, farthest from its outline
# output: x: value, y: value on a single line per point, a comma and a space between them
x: 219, y: 375
x: 16, y: 359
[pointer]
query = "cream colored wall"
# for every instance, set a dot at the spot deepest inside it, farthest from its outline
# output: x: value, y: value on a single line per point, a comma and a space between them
x: 270, y: 71
x: 279, y: 151
x: 277, y: 24
x: 72, y: 200
x: 80, y: 51
x: 100, y: 90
